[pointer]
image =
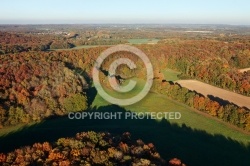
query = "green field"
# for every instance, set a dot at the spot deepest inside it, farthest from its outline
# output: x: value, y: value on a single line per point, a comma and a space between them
x: 195, y: 138
x: 170, y: 75
x: 143, y: 41
x: 154, y: 102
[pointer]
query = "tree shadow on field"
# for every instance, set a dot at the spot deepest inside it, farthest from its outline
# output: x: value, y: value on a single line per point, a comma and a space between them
x: 193, y: 147
x: 219, y: 100
x: 91, y: 94
x: 224, y: 102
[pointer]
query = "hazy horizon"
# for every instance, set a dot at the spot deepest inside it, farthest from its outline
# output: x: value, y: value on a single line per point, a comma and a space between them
x: 125, y: 12
x: 163, y: 24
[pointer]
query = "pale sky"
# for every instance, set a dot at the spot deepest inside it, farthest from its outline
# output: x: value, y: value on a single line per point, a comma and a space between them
x: 125, y: 12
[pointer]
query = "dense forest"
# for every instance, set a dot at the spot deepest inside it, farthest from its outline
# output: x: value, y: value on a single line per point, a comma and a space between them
x: 89, y: 148
x: 33, y: 88
x: 12, y: 42
x: 43, y: 84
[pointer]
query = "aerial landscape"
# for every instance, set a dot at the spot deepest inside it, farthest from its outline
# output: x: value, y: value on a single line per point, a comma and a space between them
x: 125, y: 83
